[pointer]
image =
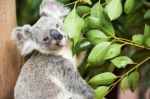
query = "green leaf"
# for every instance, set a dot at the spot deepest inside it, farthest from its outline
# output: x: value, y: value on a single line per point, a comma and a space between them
x: 114, y: 50
x: 101, y: 92
x: 146, y: 32
x: 98, y: 53
x: 97, y: 23
x: 138, y: 38
x: 92, y: 22
x: 97, y: 11
x: 147, y: 14
x: 96, y: 36
x: 122, y: 61
x: 75, y: 48
x: 129, y: 6
x: 133, y: 80
x: 147, y: 42
x: 81, y: 10
x: 73, y: 25
x: 114, y: 9
x: 103, y: 79
x: 84, y: 45
x: 88, y: 2
x: 123, y: 84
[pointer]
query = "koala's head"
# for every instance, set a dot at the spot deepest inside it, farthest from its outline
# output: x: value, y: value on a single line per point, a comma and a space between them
x: 47, y: 34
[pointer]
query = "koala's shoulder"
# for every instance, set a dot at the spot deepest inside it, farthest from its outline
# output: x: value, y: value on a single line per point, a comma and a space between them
x: 43, y: 59
x: 41, y: 63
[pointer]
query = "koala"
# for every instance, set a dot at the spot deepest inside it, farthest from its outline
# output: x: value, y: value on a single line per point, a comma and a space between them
x: 47, y: 74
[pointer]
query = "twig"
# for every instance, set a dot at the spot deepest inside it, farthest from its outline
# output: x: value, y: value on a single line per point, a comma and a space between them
x: 122, y: 40
x: 135, y: 67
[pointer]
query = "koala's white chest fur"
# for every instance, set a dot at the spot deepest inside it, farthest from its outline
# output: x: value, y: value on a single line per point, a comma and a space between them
x: 66, y: 53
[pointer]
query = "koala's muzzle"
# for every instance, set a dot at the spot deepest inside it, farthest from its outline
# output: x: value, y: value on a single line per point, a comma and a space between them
x: 56, y: 35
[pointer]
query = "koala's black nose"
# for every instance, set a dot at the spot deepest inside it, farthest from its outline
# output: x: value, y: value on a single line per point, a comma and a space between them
x: 56, y: 35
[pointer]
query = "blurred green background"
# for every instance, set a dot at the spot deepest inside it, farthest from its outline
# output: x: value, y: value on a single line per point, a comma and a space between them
x: 27, y: 11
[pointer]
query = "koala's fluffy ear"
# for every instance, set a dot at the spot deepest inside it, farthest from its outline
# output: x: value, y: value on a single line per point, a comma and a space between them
x: 53, y: 8
x: 22, y: 37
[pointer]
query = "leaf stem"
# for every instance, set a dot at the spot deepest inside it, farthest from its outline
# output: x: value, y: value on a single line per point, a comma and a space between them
x: 86, y: 14
x: 105, y: 3
x: 129, y: 42
x: 75, y: 3
x: 70, y: 3
x: 122, y: 40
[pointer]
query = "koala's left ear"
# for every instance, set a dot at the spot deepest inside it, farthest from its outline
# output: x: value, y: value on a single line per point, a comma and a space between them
x: 22, y: 37
x: 53, y: 8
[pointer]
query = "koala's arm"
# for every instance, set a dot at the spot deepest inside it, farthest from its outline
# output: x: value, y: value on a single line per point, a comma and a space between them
x: 77, y: 83
x: 86, y: 90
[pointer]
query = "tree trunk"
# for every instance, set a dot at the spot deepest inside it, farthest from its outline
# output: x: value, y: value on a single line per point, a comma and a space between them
x: 10, y: 58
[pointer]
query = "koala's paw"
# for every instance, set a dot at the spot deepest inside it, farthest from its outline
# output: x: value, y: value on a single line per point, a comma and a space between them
x: 89, y: 94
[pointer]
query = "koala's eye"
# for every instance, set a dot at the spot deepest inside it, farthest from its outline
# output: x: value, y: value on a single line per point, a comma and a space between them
x: 57, y: 25
x: 45, y: 39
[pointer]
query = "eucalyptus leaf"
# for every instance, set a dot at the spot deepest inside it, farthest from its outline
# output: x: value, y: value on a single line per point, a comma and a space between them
x: 138, y: 38
x: 133, y: 80
x: 96, y: 36
x: 98, y: 11
x: 97, y: 23
x: 123, y: 84
x: 73, y: 25
x: 92, y: 22
x: 88, y: 2
x: 130, y: 19
x: 84, y: 45
x: 82, y: 10
x: 103, y: 79
x: 101, y: 92
x: 122, y: 61
x: 114, y: 9
x: 114, y: 50
x: 147, y: 42
x: 147, y: 14
x: 129, y: 6
x: 75, y: 48
x: 146, y: 32
x: 98, y: 53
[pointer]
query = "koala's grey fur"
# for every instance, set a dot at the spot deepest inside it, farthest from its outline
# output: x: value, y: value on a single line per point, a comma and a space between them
x: 51, y: 77
x: 47, y: 75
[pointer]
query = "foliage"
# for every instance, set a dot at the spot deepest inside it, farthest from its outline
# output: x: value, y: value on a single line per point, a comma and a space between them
x: 114, y: 33
x: 118, y: 32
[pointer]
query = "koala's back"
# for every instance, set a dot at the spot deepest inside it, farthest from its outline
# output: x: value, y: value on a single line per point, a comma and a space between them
x: 50, y: 77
